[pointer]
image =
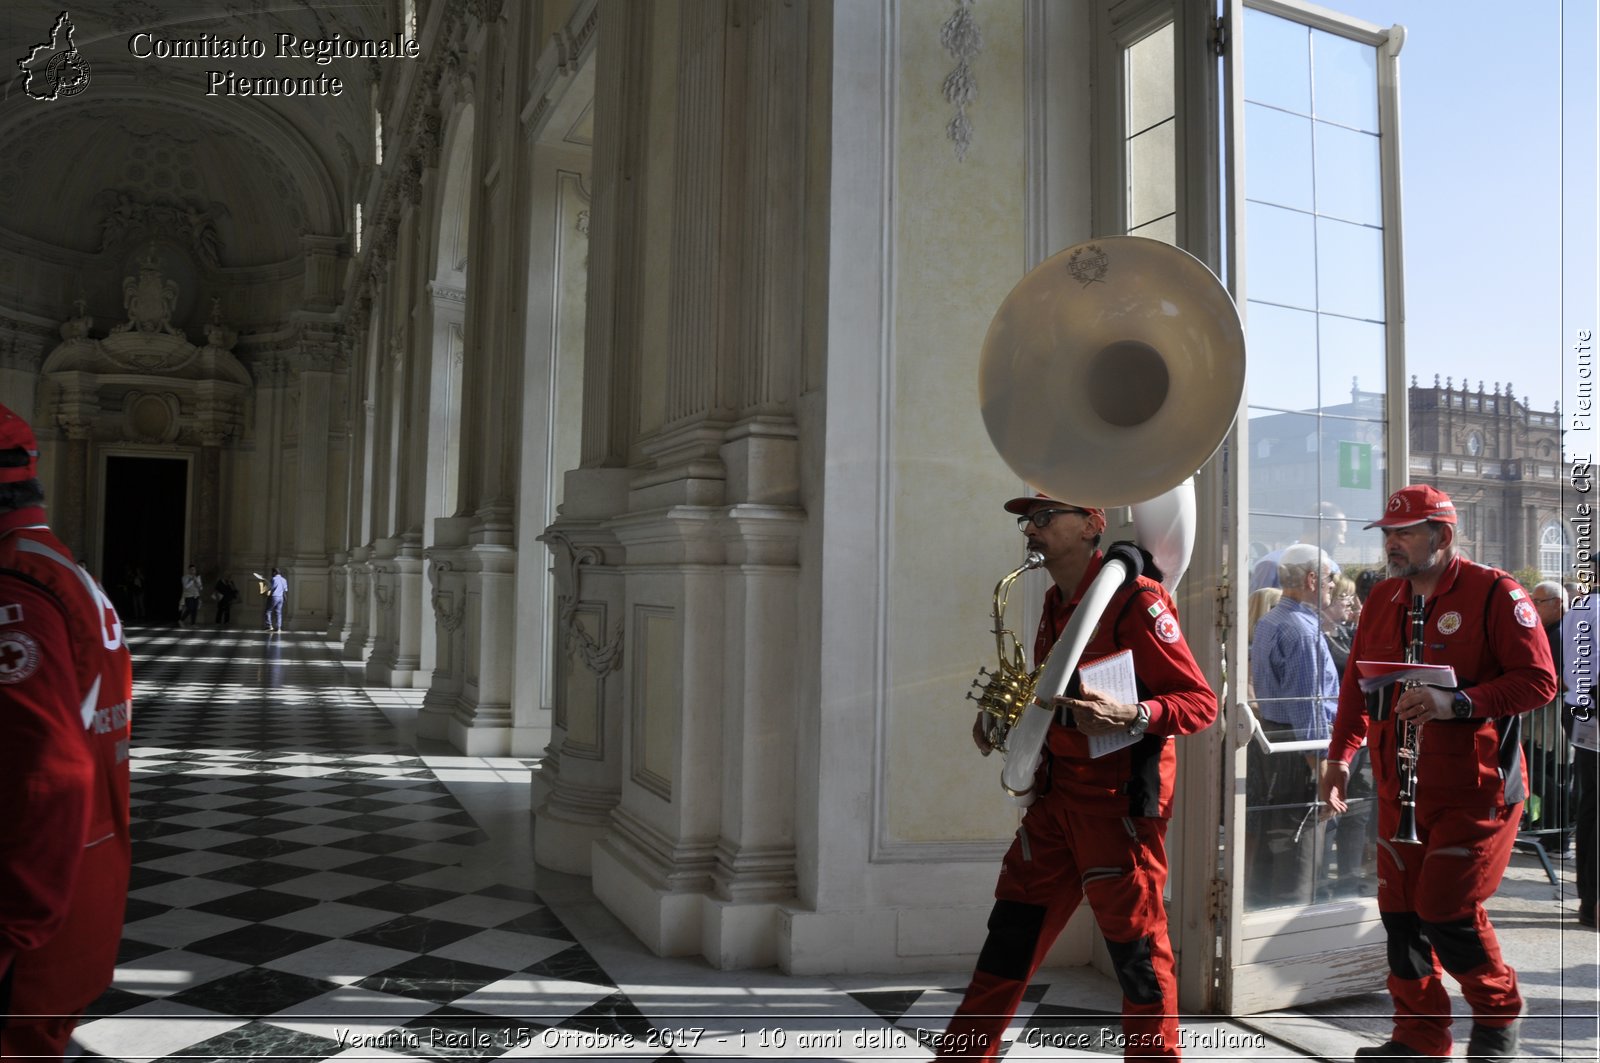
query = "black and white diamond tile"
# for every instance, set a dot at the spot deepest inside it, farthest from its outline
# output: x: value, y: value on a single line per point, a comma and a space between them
x: 306, y: 887
x: 298, y: 889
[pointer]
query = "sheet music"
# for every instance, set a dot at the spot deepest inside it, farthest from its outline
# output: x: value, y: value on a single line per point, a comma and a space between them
x: 1113, y: 677
x: 1375, y: 674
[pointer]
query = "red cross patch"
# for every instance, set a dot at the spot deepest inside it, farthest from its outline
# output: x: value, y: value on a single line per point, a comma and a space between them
x: 1167, y: 628
x: 19, y: 657
x: 1526, y: 614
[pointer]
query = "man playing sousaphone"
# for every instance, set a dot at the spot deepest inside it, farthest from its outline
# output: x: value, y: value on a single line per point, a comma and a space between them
x: 1470, y: 781
x: 1097, y: 830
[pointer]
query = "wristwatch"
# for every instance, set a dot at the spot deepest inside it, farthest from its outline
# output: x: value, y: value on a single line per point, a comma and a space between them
x: 1461, y: 705
x: 1141, y: 721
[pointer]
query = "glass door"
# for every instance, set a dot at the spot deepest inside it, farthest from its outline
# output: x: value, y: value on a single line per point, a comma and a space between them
x: 1313, y: 229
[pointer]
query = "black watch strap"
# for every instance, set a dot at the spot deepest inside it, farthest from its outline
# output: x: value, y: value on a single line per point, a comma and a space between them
x: 1461, y: 705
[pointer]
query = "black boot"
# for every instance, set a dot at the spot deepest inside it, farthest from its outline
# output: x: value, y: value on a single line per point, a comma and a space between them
x: 1390, y: 1049
x: 1492, y: 1044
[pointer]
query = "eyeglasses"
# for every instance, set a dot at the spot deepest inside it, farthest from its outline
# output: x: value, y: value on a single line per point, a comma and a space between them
x: 1541, y: 601
x: 1042, y: 518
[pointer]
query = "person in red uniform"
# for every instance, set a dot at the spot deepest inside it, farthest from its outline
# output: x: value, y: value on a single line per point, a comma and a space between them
x: 1097, y: 830
x: 1470, y: 778
x: 66, y: 687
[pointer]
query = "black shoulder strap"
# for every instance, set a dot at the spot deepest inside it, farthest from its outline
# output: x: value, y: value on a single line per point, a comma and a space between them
x: 41, y: 587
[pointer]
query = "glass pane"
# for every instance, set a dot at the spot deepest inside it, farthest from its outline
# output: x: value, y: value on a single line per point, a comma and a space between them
x: 1353, y: 474
x: 1284, y: 465
x: 1351, y: 354
x: 1281, y: 359
x: 1163, y: 229
x: 1349, y: 269
x: 1278, y: 157
x: 1346, y: 81
x: 1150, y: 93
x: 1278, y: 71
x: 1152, y: 174
x: 1291, y: 859
x: 1281, y: 256
x: 1348, y: 175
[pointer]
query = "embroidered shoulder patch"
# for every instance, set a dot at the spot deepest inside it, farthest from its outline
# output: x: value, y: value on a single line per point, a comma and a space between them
x: 1167, y: 628
x: 1450, y: 623
x: 19, y: 656
x: 1525, y: 614
x: 10, y: 614
x: 1517, y: 594
x: 1155, y: 609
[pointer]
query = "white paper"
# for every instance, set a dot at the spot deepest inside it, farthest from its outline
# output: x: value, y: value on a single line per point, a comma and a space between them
x: 1586, y: 734
x: 1375, y: 674
x: 1113, y: 678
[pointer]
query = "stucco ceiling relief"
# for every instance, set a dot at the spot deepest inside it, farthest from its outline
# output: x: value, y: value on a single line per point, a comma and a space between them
x: 130, y: 218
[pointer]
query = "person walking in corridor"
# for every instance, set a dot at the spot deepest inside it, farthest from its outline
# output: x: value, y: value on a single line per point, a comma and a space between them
x: 277, y: 587
x: 189, y: 603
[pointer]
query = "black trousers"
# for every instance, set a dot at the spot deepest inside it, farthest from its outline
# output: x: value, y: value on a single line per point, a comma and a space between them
x: 1585, y: 766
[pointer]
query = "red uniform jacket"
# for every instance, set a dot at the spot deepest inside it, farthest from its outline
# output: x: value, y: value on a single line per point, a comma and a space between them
x: 1136, y: 780
x: 60, y: 914
x: 1482, y: 623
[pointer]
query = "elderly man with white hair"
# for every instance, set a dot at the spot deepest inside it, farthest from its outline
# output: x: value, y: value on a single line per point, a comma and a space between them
x: 1297, y: 689
x: 1294, y: 674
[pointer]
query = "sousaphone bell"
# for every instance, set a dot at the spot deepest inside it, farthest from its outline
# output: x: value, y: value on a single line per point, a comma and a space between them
x: 1109, y: 375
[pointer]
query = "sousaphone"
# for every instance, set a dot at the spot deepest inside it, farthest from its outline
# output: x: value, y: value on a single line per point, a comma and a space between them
x: 1109, y: 375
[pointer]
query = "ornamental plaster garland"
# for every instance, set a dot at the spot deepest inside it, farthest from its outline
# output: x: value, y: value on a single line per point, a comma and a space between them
x: 963, y: 39
x: 598, y: 658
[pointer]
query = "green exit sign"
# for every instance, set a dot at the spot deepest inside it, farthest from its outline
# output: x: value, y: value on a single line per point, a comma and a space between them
x: 1355, y: 464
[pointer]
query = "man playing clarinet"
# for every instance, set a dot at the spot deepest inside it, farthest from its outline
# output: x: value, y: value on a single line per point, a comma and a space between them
x: 1469, y: 782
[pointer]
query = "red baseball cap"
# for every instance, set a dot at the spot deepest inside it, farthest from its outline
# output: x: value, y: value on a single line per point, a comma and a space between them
x: 14, y: 435
x: 1024, y: 503
x: 1415, y: 505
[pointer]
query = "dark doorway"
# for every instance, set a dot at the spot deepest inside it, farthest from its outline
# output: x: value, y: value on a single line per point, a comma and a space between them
x: 146, y: 514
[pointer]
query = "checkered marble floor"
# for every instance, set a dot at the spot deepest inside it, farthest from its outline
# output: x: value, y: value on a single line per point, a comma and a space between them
x: 310, y: 882
x: 301, y: 886
x: 307, y: 885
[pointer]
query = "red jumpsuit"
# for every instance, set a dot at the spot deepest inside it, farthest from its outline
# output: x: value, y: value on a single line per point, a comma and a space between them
x: 64, y: 843
x: 1471, y: 783
x: 1097, y: 831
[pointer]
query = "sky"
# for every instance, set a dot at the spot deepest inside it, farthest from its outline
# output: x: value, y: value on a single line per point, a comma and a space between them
x: 1497, y: 127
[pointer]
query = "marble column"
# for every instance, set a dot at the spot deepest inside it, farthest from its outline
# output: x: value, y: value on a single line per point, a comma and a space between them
x: 481, y: 722
x: 309, y: 569
x: 448, y: 608
x: 358, y: 640
x: 700, y: 858
x: 339, y: 598
x: 206, y: 552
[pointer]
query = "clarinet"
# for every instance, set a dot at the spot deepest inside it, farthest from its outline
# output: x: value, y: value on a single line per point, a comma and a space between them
x: 1409, y: 747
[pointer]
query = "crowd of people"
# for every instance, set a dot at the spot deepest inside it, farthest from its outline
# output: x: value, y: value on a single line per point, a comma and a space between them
x: 129, y: 593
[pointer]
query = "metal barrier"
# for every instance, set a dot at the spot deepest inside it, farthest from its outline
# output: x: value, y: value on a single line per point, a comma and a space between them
x: 1551, y: 808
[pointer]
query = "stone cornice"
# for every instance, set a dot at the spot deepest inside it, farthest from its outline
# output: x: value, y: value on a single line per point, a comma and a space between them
x: 420, y: 128
x: 562, y: 58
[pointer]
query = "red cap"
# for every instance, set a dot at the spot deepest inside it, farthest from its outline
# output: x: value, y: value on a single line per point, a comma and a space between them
x: 15, y: 434
x: 1024, y: 503
x: 1415, y: 505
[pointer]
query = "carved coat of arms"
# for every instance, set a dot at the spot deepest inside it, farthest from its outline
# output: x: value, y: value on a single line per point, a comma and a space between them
x: 149, y: 299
